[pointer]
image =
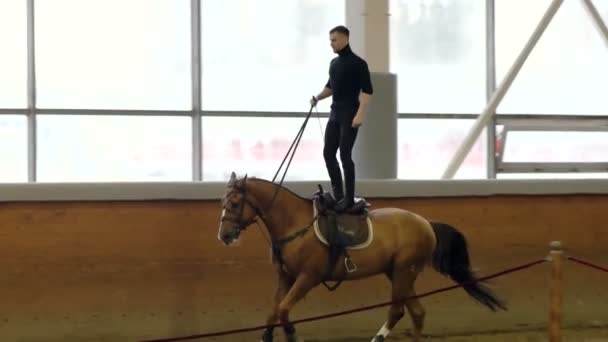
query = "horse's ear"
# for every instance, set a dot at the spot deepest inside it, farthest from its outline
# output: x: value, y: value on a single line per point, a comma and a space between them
x: 232, y: 177
x: 241, y: 182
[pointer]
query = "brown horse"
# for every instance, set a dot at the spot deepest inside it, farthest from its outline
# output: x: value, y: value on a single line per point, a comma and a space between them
x: 403, y: 243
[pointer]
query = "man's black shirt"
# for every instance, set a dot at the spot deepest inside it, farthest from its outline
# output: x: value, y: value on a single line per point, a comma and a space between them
x: 348, y: 75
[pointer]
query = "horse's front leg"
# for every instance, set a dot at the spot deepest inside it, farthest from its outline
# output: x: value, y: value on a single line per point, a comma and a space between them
x: 298, y: 290
x: 283, y: 285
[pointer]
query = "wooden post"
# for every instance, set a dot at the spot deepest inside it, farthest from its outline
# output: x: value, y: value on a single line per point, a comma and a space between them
x: 556, y: 293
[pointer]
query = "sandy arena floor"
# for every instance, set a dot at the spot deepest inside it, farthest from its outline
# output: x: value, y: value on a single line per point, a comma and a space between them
x: 569, y: 335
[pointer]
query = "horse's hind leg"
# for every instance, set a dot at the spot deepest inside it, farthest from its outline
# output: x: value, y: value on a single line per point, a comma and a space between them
x: 402, y: 276
x: 417, y: 313
x: 402, y: 280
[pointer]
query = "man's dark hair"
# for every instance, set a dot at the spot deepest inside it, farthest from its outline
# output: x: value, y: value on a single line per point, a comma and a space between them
x: 340, y: 29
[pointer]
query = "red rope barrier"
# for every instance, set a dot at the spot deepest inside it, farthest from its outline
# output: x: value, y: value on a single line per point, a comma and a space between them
x: 345, y: 312
x: 586, y: 263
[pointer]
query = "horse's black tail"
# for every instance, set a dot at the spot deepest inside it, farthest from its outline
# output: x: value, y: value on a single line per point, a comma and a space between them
x: 451, y: 258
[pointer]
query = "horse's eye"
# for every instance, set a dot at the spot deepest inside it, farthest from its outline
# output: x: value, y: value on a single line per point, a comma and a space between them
x: 234, y: 205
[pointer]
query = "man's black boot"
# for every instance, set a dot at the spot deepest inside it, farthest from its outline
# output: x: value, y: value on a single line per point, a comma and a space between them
x: 345, y: 204
x: 349, y: 200
x: 338, y: 193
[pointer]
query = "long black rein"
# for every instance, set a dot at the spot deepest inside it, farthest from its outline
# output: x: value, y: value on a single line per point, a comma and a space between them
x: 294, y: 146
x: 277, y: 245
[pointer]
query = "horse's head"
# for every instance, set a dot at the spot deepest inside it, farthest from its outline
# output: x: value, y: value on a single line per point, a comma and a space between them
x: 238, y: 212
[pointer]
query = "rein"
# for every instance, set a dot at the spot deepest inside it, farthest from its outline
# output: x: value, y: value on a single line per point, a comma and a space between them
x: 240, y: 225
x: 276, y: 244
x: 295, y: 142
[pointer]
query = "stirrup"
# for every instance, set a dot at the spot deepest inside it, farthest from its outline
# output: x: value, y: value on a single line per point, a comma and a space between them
x: 350, y: 265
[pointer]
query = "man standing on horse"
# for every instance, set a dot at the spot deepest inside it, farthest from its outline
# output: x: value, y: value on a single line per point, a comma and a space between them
x: 350, y: 86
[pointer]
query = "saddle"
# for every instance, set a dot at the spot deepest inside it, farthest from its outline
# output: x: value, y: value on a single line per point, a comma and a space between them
x: 341, y: 231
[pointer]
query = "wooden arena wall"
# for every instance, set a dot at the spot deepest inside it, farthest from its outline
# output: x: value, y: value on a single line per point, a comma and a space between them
x: 128, y: 270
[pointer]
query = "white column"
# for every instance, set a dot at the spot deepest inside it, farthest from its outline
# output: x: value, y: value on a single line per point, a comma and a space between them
x: 368, y: 23
x: 375, y: 151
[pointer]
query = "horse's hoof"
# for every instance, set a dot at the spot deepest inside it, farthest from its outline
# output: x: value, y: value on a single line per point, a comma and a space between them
x: 266, y: 337
x: 378, y: 338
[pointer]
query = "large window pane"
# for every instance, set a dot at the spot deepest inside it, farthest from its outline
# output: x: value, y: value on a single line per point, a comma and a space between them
x: 427, y: 146
x: 13, y: 148
x: 13, y: 55
x: 113, y: 54
x: 566, y: 71
x: 528, y: 146
x: 257, y: 146
x: 266, y: 55
x: 438, y: 54
x: 114, y: 148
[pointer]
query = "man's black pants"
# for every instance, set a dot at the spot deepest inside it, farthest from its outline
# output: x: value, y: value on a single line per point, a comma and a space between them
x: 340, y: 135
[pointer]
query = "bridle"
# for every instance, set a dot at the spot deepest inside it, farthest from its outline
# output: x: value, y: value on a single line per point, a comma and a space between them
x: 241, y: 225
